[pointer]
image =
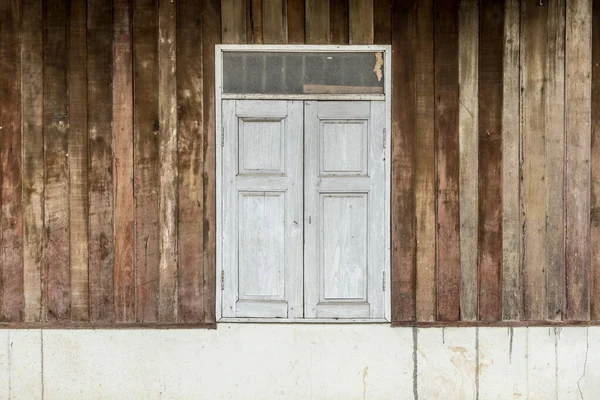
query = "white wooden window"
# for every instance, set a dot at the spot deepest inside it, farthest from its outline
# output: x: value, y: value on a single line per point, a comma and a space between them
x: 303, y: 209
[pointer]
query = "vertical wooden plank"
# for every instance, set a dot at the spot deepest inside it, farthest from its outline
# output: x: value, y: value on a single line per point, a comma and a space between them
x: 78, y: 162
x: 233, y: 21
x: 123, y: 162
x: 447, y: 159
x: 425, y: 165
x: 595, y: 168
x: 403, y: 162
x: 491, y: 43
x: 145, y: 153
x: 512, y: 289
x: 295, y: 21
x: 339, y: 20
x: 274, y: 21
x: 167, y: 120
x: 33, y: 158
x: 382, y: 21
x: 190, y: 160
x: 56, y: 178
x: 100, y: 176
x: 11, y: 218
x: 361, y: 22
x: 317, y: 29
x: 533, y: 60
x: 256, y: 21
x: 468, y: 113
x: 211, y: 35
x: 555, y: 157
x: 577, y: 174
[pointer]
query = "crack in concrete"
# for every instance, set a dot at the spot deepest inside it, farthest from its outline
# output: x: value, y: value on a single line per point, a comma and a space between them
x: 415, y: 366
x: 510, y: 348
x: 587, y: 350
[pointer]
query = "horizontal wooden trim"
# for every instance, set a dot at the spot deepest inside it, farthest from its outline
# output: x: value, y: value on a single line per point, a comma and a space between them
x: 304, y: 96
x: 493, y: 324
x: 103, y: 325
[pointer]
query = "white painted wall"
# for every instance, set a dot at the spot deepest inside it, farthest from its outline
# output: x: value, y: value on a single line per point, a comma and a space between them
x: 276, y: 361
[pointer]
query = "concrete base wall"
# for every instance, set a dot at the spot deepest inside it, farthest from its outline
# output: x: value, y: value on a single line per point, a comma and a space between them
x: 273, y: 361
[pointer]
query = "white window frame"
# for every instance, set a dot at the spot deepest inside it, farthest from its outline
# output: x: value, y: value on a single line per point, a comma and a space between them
x: 220, y: 96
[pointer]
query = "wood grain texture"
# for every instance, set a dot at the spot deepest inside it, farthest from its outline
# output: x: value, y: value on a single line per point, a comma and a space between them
x: 512, y: 283
x: 123, y: 162
x: 382, y: 21
x: 274, y: 21
x: 56, y: 168
x: 534, y: 39
x: 403, y: 163
x: 145, y: 153
x: 425, y: 165
x: 190, y: 160
x: 317, y: 30
x: 100, y: 174
x: 233, y: 20
x: 555, y: 158
x: 361, y: 22
x: 11, y: 214
x: 295, y: 21
x: 33, y: 159
x: 211, y: 34
x: 468, y: 118
x: 595, y: 168
x: 577, y: 173
x: 167, y: 154
x: 447, y: 159
x: 256, y: 21
x: 78, y: 162
x: 491, y: 44
x: 339, y: 20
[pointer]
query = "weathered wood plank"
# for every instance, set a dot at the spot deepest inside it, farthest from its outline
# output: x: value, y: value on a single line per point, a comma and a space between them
x: 211, y: 34
x: 595, y: 168
x: 295, y: 21
x: 100, y: 176
x: 533, y: 60
x: 167, y: 154
x: 11, y: 218
x: 577, y: 173
x: 555, y: 157
x: 382, y: 21
x: 190, y: 161
x: 425, y: 165
x: 123, y: 162
x: 78, y: 162
x: 361, y: 22
x: 317, y: 29
x: 233, y: 20
x: 145, y: 152
x: 339, y: 20
x: 447, y: 159
x: 56, y: 178
x: 33, y: 159
x: 256, y: 21
x: 512, y: 289
x: 403, y: 163
x: 274, y: 21
x: 491, y: 44
x: 468, y: 114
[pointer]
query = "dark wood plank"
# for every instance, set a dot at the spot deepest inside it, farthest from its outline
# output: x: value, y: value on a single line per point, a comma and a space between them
x: 578, y: 147
x: 56, y: 176
x: 447, y: 159
x: 233, y: 20
x: 211, y: 34
x: 595, y: 168
x: 403, y: 163
x: 256, y: 21
x: 361, y: 22
x: 123, y: 162
x: 339, y: 20
x: 11, y: 217
x: 274, y: 21
x: 145, y: 114
x: 295, y: 21
x: 33, y: 159
x: 316, y: 26
x: 190, y: 148
x: 491, y: 47
x: 382, y: 21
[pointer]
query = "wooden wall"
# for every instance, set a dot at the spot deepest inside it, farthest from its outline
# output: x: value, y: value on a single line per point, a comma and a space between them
x: 107, y: 153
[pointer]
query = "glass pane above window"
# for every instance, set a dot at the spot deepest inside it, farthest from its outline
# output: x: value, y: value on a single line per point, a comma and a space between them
x: 255, y: 72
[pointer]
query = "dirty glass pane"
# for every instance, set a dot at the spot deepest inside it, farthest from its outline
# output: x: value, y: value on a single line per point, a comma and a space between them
x: 300, y: 73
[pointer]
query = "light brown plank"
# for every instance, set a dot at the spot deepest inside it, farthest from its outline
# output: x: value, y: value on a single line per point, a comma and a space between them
x: 33, y: 159
x: 274, y: 21
x: 256, y: 21
x: 382, y: 21
x: 295, y: 21
x: 233, y: 21
x: 339, y: 21
x: 468, y: 113
x: 11, y: 217
x: 361, y: 22
x: 317, y: 29
x: 595, y: 168
x: 425, y: 165
x: 577, y: 174
x: 123, y: 163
